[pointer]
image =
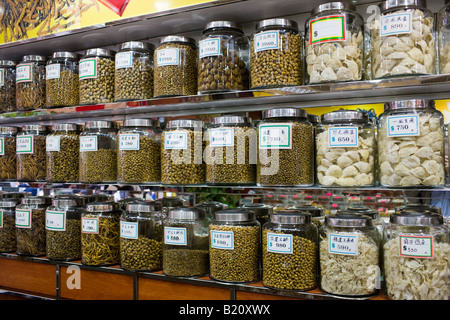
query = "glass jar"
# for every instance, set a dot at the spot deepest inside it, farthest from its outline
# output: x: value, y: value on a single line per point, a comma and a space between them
x: 210, y: 207
x: 230, y: 151
x: 31, y: 154
x: 223, y: 58
x: 98, y: 152
x: 96, y: 76
x: 63, y: 228
x: 317, y: 214
x: 285, y: 148
x: 350, y: 256
x: 378, y: 222
x: 276, y: 51
x: 286, y: 237
x: 416, y: 256
x: 8, y: 86
x: 141, y: 236
x: 411, y: 148
x: 443, y: 34
x: 334, y: 42
x: 182, y: 153
x: 234, y: 250
x: 345, y: 149
x: 30, y: 83
x: 8, y: 168
x: 100, y: 234
x: 262, y: 211
x: 169, y: 202
x: 175, y: 67
x: 61, y: 80
x: 406, y: 48
x: 139, y: 151
x: 30, y: 226
x: 185, y: 250
x: 63, y: 153
x: 8, y: 224
x: 96, y: 197
x: 134, y: 71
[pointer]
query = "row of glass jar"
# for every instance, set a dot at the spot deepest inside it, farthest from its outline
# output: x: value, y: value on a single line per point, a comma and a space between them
x: 288, y: 252
x: 336, y: 47
x: 344, y: 149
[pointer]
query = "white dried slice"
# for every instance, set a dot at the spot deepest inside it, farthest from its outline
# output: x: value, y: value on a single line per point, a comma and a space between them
x: 435, y: 123
x: 325, y: 163
x: 419, y: 172
x: 314, y: 77
x: 400, y: 47
x: 431, y: 181
x: 416, y: 35
x: 339, y: 54
x: 394, y: 180
x: 419, y: 68
x: 410, y: 180
x: 425, y: 152
x: 346, y: 182
x: 397, y: 55
x: 322, y: 59
x: 344, y: 161
x: 411, y: 161
x: 352, y: 51
x: 391, y: 41
x: 334, y: 64
x: 407, y: 151
x: 400, y: 70
x: 349, y: 171
x: 365, y: 154
x: 432, y: 166
x: 402, y: 170
x: 310, y: 58
x: 354, y: 155
x: 344, y: 74
x: 328, y: 75
x: 392, y: 156
x: 328, y: 180
x: 363, y: 179
x: 386, y: 168
x: 429, y: 138
x: 363, y: 167
x: 334, y: 171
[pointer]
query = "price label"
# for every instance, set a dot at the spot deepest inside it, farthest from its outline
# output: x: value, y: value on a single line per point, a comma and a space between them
x: 267, y: 41
x: 279, y: 243
x: 24, y: 73
x: 405, y: 125
x: 328, y: 28
x: 396, y: 23
x: 23, y: 218
x: 343, y: 137
x: 124, y: 60
x: 221, y: 137
x: 345, y: 244
x: 175, y: 236
x: 88, y: 143
x: 24, y: 144
x: 55, y: 220
x: 175, y: 140
x: 52, y: 143
x: 129, y: 141
x: 209, y: 48
x: 52, y: 71
x: 2, y: 77
x: 129, y: 230
x: 87, y: 69
x: 1, y: 218
x: 168, y: 57
x: 416, y: 246
x: 222, y: 240
x: 277, y: 136
x: 2, y: 146
x: 89, y: 225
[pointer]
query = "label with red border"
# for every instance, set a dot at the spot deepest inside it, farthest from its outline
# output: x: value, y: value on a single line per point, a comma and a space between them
x: 328, y: 28
x: 416, y: 246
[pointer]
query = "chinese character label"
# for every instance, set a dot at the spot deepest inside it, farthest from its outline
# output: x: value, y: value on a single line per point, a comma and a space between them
x: 405, y: 125
x: 222, y: 239
x: 343, y: 243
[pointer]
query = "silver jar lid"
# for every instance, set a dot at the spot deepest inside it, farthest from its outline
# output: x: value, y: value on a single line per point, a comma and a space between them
x: 234, y: 215
x: 222, y: 24
x: 333, y: 6
x: 139, y: 123
x: 99, y: 124
x: 313, y: 210
x: 66, y: 127
x: 33, y: 58
x: 64, y: 55
x: 277, y: 22
x: 348, y: 221
x: 9, y: 202
x: 211, y: 206
x: 290, y: 217
x: 284, y: 112
x: 170, y: 202
x: 103, y: 206
x: 8, y: 63
x: 184, y: 123
x: 100, y: 52
x: 403, y: 4
x: 419, y: 207
x: 96, y: 198
x: 409, y: 104
x: 137, y: 45
x: 414, y: 218
x: 345, y: 116
x: 14, y: 195
x: 231, y: 119
x: 356, y: 209
x: 68, y: 200
x: 260, y: 209
x: 34, y: 127
x: 9, y: 130
x: 143, y: 206
x: 182, y: 39
x: 186, y: 213
x: 32, y: 200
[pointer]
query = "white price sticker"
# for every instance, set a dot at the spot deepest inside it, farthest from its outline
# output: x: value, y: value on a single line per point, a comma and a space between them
x: 25, y: 144
x: 2, y: 146
x: 343, y: 137
x: 276, y: 136
x: 129, y: 141
x: 55, y: 220
x: 124, y: 60
x: 52, y: 143
x: 279, y: 243
x: 168, y: 57
x: 89, y: 225
x: 267, y: 41
x: 129, y: 230
x: 52, y: 71
x: 221, y: 137
x: 88, y: 143
x: 24, y: 72
x: 396, y: 23
x: 175, y: 236
x: 1, y: 218
x: 416, y: 246
x: 405, y: 125
x: 175, y: 140
x: 222, y: 240
x: 2, y: 77
x: 345, y: 244
x: 209, y: 48
x: 23, y: 218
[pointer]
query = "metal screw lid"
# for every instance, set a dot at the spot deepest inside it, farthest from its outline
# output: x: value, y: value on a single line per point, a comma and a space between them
x: 333, y: 6
x: 170, y: 202
x: 414, y: 218
x: 234, y: 215
x: 290, y: 217
x: 14, y: 195
x: 356, y: 209
x: 260, y: 209
x: 182, y: 39
x: 68, y: 200
x: 143, y: 206
x: 222, y: 24
x: 419, y: 207
x: 9, y: 130
x: 346, y: 220
x: 345, y: 116
x: 31, y: 200
x: 277, y: 22
x: 96, y: 198
x: 66, y: 127
x: 99, y: 124
x: 33, y: 58
x: 211, y: 206
x: 8, y: 63
x: 409, y: 104
x: 9, y: 202
x: 139, y: 123
x: 65, y: 54
x: 313, y: 210
x: 231, y: 119
x: 186, y: 213
x: 184, y: 123
x: 102, y: 206
x: 284, y: 112
x: 34, y: 127
x: 100, y: 52
x: 394, y: 4
x: 137, y: 45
